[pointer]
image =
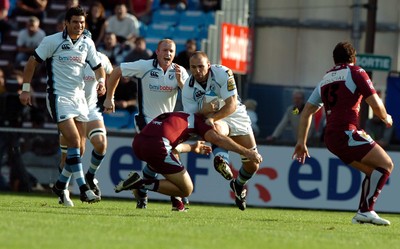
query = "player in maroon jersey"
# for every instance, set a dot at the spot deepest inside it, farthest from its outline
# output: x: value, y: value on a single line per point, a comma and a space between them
x: 340, y: 92
x: 160, y: 143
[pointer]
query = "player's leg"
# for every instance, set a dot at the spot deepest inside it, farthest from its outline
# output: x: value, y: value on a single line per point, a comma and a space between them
x: 141, y: 195
x: 246, y: 171
x: 72, y: 131
x: 66, y: 173
x: 221, y: 156
x: 176, y: 184
x: 98, y: 138
x: 377, y: 167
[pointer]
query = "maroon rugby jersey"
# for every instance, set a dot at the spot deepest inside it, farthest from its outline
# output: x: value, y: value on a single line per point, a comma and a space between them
x: 341, y: 91
x: 177, y: 127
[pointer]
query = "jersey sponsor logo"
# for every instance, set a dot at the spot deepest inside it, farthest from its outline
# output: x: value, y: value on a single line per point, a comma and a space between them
x: 70, y: 58
x: 229, y: 72
x: 231, y: 84
x: 65, y: 47
x: 154, y: 74
x: 157, y: 88
x: 89, y: 78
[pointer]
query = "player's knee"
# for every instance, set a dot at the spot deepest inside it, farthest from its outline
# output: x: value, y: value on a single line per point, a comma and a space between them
x: 98, y: 139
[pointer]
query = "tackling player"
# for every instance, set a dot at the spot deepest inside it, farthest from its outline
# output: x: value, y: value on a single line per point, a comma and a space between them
x: 158, y: 144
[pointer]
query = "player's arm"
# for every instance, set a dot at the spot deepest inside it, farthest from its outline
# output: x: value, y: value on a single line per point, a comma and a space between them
x: 100, y: 74
x: 29, y: 70
x: 227, y: 143
x: 112, y: 84
x: 198, y: 147
x: 375, y: 102
x: 301, y: 151
x: 225, y: 111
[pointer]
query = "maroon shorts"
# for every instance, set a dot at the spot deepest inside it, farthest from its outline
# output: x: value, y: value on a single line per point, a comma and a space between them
x: 157, y: 153
x: 349, y: 146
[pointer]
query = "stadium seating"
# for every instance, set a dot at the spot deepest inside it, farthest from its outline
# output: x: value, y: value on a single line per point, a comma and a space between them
x: 166, y: 17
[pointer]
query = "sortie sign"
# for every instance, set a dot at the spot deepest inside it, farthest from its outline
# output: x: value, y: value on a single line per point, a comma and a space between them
x: 374, y: 62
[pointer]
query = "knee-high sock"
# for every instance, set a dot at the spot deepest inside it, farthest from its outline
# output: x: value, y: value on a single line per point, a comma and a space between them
x: 64, y: 177
x: 371, y: 188
x: 243, y: 177
x: 95, y: 162
x: 217, y: 151
x: 147, y: 174
x: 74, y: 161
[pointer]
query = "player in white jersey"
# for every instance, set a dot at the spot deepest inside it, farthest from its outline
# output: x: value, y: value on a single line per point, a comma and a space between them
x: 95, y: 129
x: 158, y: 83
x: 66, y: 54
x: 218, y: 81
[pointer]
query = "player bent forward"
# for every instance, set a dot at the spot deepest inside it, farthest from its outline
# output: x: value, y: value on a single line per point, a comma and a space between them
x: 158, y: 143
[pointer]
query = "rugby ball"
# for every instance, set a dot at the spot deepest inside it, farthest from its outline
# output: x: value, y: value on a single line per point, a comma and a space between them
x: 211, y: 96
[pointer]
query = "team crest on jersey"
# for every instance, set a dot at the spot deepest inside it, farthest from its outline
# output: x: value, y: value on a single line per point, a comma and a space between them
x: 231, y: 84
x: 171, y: 76
x: 198, y: 94
x: 154, y: 74
x: 65, y: 47
x: 81, y: 48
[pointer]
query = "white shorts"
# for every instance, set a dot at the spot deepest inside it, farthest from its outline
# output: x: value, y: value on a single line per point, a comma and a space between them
x: 63, y: 108
x: 239, y: 123
x: 95, y: 114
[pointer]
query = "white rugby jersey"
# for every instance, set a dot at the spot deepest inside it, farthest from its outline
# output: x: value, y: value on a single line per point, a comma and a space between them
x: 91, y: 82
x: 65, y: 62
x: 157, y: 92
x: 221, y: 82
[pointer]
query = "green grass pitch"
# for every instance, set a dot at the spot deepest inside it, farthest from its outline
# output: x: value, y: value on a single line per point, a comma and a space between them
x: 30, y: 221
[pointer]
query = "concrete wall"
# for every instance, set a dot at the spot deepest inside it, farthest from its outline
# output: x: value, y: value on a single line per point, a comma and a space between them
x: 294, y: 48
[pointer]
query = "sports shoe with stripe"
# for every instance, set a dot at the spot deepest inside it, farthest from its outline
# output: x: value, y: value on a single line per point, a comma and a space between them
x: 63, y: 196
x: 132, y: 182
x: 93, y: 184
x: 89, y: 196
x: 240, y: 195
x: 369, y: 217
x: 222, y: 167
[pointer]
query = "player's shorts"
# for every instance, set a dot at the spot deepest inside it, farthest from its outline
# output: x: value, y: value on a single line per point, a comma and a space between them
x: 157, y: 153
x: 95, y: 114
x: 63, y: 108
x: 239, y: 123
x: 349, y: 145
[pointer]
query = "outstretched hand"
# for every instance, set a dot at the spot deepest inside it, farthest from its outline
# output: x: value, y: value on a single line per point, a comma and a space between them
x: 300, y: 153
x: 201, y: 148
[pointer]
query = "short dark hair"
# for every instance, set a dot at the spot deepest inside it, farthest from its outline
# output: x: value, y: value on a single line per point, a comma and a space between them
x: 344, y: 52
x: 74, y: 11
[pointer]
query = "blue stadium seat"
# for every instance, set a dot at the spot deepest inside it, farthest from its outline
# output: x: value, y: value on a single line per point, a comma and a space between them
x: 185, y: 32
x: 209, y: 18
x: 165, y: 17
x: 193, y: 5
x: 152, y: 43
x: 159, y: 30
x: 192, y: 18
